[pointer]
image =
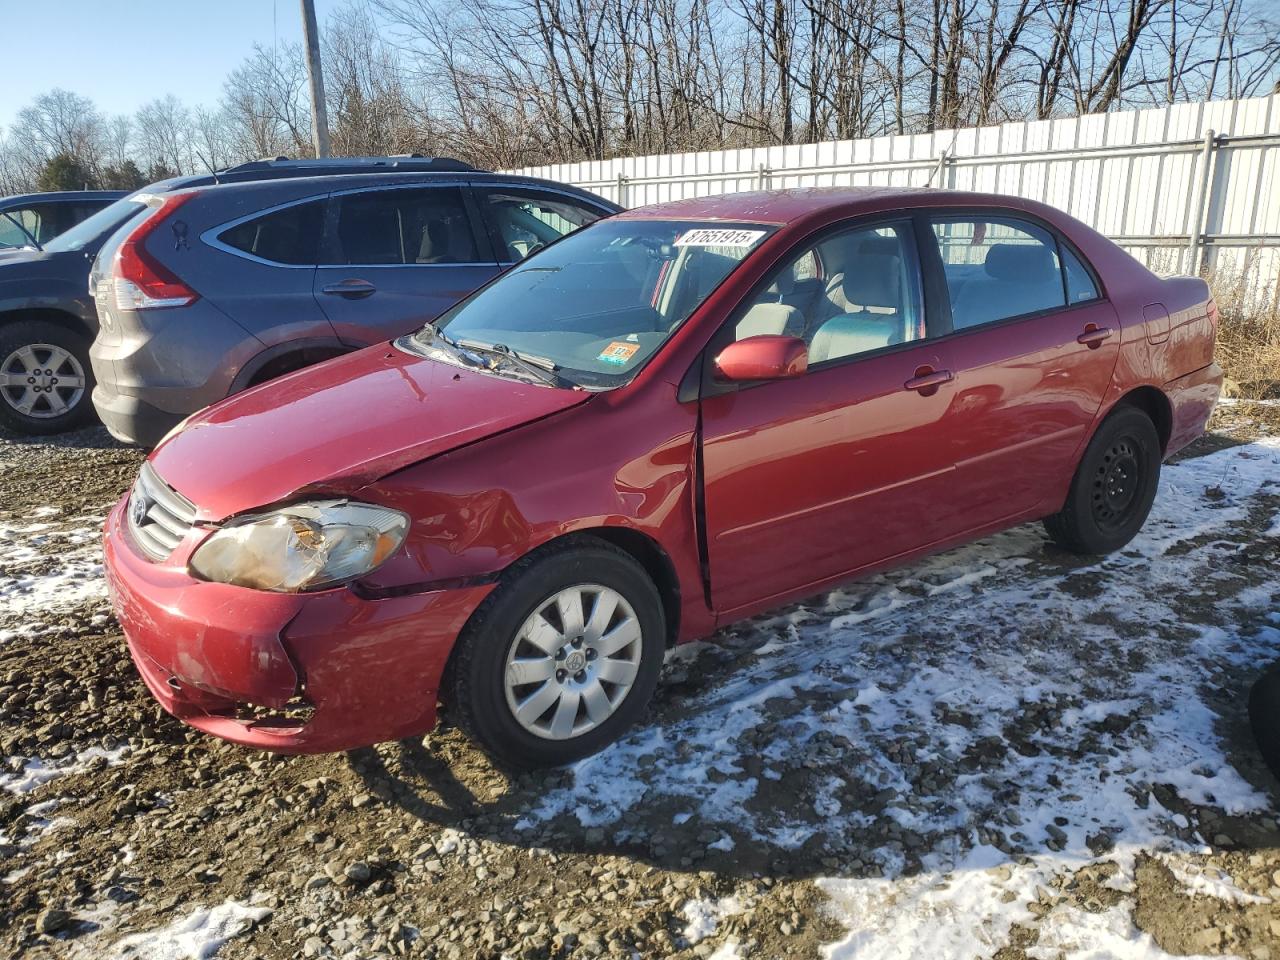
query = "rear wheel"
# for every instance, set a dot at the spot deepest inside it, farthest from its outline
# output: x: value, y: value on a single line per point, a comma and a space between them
x: 562, y: 657
x: 45, y: 377
x: 1113, y: 488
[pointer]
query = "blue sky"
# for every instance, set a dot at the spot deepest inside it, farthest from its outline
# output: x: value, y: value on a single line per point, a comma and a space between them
x: 123, y: 53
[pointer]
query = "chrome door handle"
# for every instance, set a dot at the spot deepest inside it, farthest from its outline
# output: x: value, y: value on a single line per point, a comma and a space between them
x: 930, y: 380
x: 350, y: 289
x: 1093, y: 336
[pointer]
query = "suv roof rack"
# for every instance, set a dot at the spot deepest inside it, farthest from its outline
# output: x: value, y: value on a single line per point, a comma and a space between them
x: 283, y: 166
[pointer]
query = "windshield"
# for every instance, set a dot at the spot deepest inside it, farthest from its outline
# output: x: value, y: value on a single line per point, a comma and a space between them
x: 599, y: 303
x: 101, y: 223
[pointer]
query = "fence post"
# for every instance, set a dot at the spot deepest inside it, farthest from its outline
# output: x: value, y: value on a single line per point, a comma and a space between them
x: 942, y: 162
x: 622, y: 190
x: 762, y: 177
x: 1200, y: 206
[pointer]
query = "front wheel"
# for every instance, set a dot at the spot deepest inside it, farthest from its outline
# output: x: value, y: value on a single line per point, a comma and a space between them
x: 45, y: 377
x: 562, y: 657
x: 1113, y: 488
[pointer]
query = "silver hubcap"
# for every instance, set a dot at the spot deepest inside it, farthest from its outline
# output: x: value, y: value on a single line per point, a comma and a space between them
x: 41, y: 380
x: 573, y: 662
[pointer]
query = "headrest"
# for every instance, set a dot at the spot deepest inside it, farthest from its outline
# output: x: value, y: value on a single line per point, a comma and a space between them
x: 1022, y: 262
x: 875, y: 244
x: 767, y: 318
x: 435, y: 240
x: 872, y: 280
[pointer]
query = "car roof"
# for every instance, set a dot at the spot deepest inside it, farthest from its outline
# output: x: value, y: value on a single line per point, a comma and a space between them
x: 803, y: 203
x: 329, y: 183
x: 20, y: 199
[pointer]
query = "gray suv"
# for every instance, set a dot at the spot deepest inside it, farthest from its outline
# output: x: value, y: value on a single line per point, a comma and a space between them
x: 212, y: 290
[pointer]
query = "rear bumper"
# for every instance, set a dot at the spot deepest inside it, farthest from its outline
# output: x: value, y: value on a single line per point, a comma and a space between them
x: 1192, y: 398
x: 324, y: 672
x: 131, y: 420
x: 155, y: 367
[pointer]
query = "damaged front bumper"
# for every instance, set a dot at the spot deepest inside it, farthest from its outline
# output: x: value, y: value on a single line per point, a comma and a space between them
x: 291, y: 673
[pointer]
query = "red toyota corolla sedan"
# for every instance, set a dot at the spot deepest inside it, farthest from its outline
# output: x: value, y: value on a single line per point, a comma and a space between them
x: 668, y: 421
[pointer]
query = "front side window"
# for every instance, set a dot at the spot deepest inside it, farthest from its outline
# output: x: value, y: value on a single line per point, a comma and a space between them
x: 601, y: 302
x: 998, y: 268
x: 290, y: 235
x: 13, y: 231
x: 523, y: 221
x: 852, y: 293
x: 428, y: 225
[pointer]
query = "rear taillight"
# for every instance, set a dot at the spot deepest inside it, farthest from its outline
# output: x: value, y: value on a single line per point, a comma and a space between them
x: 141, y: 281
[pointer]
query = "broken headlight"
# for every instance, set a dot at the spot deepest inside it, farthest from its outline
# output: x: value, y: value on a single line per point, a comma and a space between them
x: 306, y: 546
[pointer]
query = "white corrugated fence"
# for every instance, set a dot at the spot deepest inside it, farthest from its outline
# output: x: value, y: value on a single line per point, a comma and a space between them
x: 1188, y: 187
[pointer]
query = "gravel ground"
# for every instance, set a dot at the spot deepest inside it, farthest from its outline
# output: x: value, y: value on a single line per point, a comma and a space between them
x: 1001, y: 752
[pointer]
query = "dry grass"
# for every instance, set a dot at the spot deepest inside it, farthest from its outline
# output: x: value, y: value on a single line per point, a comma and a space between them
x: 1248, y: 337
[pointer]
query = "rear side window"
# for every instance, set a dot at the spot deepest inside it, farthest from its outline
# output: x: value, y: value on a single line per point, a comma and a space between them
x: 1080, y: 285
x: 998, y: 268
x: 290, y: 235
x: 427, y: 226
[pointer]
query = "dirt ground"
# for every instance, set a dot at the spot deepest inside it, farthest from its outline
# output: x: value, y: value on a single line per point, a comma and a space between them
x: 1002, y: 752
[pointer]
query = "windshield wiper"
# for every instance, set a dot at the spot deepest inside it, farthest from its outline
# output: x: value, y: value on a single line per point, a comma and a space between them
x: 541, y: 367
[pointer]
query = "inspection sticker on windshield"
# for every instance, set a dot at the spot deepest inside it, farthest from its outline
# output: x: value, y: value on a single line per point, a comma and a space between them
x: 618, y: 352
x: 719, y: 237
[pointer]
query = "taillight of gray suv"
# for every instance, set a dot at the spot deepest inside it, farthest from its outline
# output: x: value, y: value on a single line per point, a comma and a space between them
x: 220, y: 288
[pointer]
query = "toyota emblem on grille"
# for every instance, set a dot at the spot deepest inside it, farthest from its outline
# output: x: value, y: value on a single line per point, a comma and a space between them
x: 139, y: 506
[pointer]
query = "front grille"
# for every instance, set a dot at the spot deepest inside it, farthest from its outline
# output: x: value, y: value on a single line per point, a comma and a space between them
x: 159, y: 516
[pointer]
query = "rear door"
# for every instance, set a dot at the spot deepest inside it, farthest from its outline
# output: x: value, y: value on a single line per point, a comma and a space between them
x: 1032, y: 350
x: 265, y: 285
x: 397, y: 257
x: 843, y: 467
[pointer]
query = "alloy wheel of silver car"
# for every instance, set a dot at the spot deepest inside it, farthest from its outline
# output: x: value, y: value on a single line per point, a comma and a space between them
x: 573, y: 661
x: 42, y: 380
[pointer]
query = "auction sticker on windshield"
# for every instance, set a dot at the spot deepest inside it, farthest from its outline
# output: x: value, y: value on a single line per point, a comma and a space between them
x: 719, y: 237
x: 618, y: 352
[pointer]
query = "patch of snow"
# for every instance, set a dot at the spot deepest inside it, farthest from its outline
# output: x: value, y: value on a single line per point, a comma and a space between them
x: 1204, y: 880
x: 703, y: 916
x: 36, y: 772
x: 726, y: 951
x: 1108, y: 935
x: 197, y: 936
x: 27, y: 589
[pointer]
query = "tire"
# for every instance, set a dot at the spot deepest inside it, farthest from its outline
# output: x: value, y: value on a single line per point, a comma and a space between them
x: 45, y: 378
x: 1113, y: 488
x: 1264, y: 716
x: 525, y: 604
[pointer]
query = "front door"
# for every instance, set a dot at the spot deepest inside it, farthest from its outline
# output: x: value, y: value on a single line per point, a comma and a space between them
x: 399, y: 257
x: 812, y: 478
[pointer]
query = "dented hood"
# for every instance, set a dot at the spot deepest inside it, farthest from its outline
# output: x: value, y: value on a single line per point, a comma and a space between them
x: 340, y: 425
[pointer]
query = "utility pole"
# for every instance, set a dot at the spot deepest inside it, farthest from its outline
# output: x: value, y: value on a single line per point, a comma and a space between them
x: 319, y: 117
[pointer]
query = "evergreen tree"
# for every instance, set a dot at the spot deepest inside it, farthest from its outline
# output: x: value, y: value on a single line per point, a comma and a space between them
x: 65, y: 172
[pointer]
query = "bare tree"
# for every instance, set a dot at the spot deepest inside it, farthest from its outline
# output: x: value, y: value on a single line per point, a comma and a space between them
x: 164, y: 133
x: 265, y: 104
